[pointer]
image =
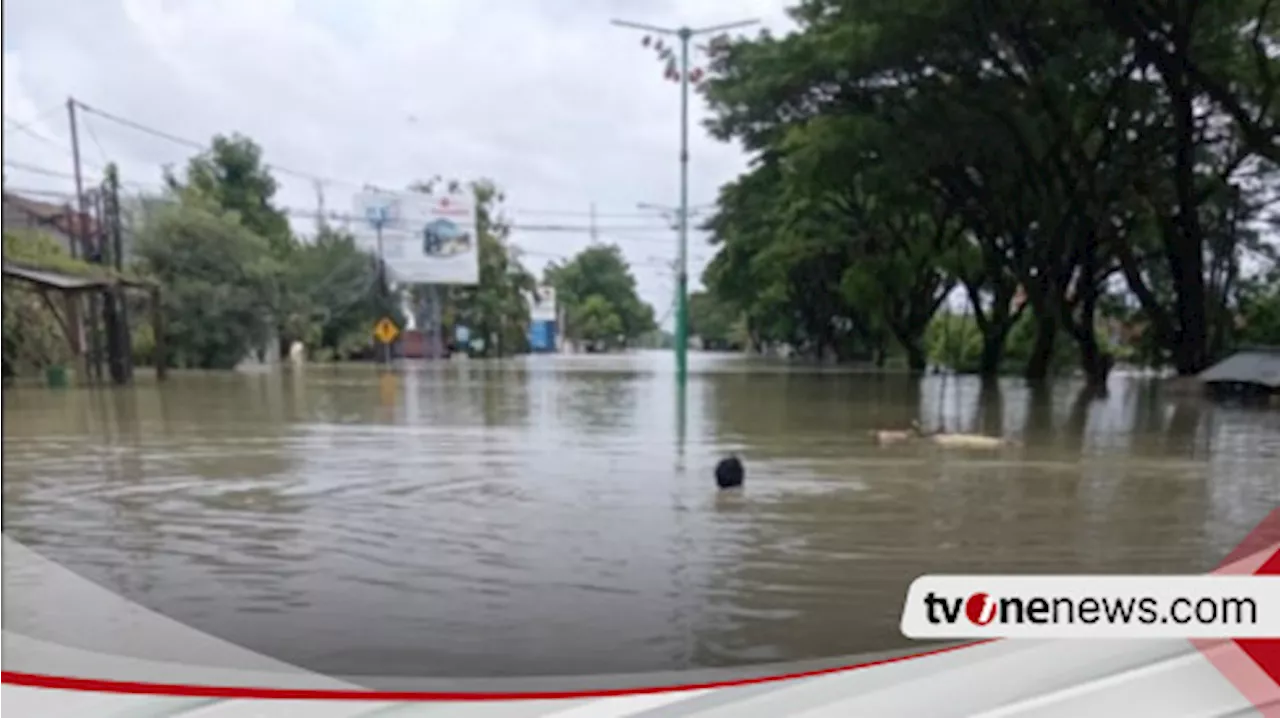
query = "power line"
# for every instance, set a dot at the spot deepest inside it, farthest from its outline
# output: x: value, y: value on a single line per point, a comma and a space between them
x: 583, y: 228
x: 26, y: 129
x: 39, y: 192
x: 49, y: 172
x: 142, y: 128
x: 88, y: 126
x: 580, y: 213
x: 52, y: 143
x: 26, y: 126
x: 302, y: 213
x: 204, y: 147
x: 34, y: 169
x: 514, y: 226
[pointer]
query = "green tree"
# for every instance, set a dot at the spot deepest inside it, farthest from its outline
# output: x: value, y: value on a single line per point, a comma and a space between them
x: 714, y: 322
x: 1222, y: 50
x: 231, y: 174
x: 216, y: 275
x: 1258, y: 317
x: 34, y: 337
x: 1052, y: 141
x: 600, y: 272
x: 596, y: 321
x: 334, y: 298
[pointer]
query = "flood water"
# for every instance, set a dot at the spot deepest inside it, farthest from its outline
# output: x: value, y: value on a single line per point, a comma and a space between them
x: 558, y: 514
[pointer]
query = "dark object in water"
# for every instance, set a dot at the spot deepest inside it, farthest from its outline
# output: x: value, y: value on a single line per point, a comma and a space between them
x: 729, y: 473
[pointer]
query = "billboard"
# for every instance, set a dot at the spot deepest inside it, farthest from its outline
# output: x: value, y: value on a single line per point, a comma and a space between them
x: 542, y: 304
x: 426, y: 238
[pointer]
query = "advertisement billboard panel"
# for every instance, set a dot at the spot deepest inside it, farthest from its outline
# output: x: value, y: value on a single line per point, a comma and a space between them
x: 425, y: 238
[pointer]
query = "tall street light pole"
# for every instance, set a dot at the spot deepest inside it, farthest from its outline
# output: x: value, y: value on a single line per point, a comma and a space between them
x: 378, y: 217
x: 682, y: 272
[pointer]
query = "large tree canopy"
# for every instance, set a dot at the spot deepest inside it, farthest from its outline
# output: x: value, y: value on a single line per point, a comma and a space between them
x: 598, y: 292
x: 217, y: 276
x: 1040, y: 150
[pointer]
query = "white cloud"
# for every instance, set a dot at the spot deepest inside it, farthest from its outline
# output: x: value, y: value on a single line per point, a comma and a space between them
x: 544, y: 96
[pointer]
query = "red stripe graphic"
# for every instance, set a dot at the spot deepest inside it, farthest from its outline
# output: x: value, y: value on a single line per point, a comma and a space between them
x: 1264, y: 653
x: 1252, y: 665
x: 261, y: 693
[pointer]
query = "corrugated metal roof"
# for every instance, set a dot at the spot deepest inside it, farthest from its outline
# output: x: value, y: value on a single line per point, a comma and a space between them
x: 73, y: 282
x: 1249, y: 366
x: 59, y: 280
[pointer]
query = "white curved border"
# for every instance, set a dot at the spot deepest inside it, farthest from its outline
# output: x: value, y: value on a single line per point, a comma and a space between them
x: 1005, y: 678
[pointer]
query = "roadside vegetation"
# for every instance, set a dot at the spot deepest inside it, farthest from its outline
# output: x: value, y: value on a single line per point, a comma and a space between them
x: 1096, y: 181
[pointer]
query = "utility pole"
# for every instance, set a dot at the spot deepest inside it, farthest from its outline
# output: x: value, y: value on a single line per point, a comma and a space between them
x: 80, y: 236
x: 595, y: 234
x: 682, y: 275
x: 321, y: 220
x: 378, y: 216
x: 80, y: 233
x: 117, y: 255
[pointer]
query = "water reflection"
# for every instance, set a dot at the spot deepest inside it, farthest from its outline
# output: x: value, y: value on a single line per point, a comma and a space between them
x: 557, y: 513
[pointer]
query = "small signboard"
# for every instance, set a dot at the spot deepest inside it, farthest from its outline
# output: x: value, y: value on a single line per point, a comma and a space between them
x: 386, y: 330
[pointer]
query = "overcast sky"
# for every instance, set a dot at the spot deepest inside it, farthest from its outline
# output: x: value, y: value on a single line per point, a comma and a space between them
x: 545, y: 97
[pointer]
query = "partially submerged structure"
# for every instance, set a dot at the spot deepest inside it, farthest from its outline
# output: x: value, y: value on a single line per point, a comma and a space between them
x: 1253, y: 372
x: 65, y: 294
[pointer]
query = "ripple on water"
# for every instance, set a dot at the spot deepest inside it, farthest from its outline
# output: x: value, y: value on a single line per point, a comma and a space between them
x: 475, y: 520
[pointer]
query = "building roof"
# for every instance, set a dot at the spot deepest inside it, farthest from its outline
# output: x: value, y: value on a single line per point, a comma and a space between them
x: 49, y: 278
x: 63, y: 281
x: 1256, y: 365
x: 59, y: 216
x: 34, y: 207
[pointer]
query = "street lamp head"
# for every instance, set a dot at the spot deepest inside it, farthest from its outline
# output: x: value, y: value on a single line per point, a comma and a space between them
x: 721, y: 28
x: 684, y: 33
x: 642, y: 26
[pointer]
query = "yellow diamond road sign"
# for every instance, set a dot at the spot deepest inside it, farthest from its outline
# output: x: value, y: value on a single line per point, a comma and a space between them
x: 386, y: 331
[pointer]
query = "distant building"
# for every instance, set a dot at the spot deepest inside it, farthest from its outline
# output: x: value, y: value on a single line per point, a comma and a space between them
x: 543, y: 320
x: 58, y: 221
x: 1252, y: 371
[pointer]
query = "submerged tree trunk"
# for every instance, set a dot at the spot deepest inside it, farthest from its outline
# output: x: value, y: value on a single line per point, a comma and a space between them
x: 1095, y: 361
x: 1182, y: 329
x: 917, y: 359
x: 912, y: 343
x: 1186, y: 250
x: 995, y: 326
x: 1038, y: 364
x: 992, y: 354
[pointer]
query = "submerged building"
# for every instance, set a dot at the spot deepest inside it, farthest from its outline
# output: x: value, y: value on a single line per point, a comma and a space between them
x: 544, y: 324
x: 1253, y: 371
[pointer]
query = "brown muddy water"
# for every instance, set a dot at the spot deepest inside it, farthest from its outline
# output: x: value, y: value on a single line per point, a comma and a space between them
x: 558, y: 514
